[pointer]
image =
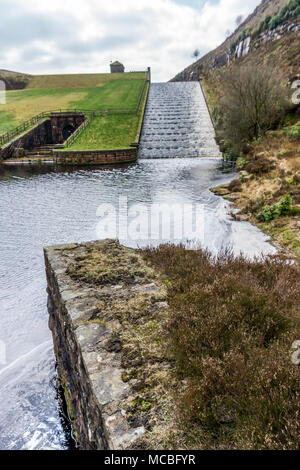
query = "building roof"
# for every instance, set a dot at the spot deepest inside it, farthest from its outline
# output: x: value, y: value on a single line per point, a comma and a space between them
x: 116, y: 63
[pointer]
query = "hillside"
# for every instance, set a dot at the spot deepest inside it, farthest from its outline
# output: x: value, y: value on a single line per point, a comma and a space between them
x: 117, y: 92
x: 272, y: 30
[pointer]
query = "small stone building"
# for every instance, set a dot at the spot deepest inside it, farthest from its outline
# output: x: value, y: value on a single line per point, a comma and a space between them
x: 117, y: 67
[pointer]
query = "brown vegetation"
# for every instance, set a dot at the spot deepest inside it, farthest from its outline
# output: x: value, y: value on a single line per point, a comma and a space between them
x: 253, y: 102
x: 230, y: 330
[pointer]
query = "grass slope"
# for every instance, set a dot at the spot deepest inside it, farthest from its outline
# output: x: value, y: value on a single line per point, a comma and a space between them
x: 121, y: 91
x: 80, y: 80
x: 108, y: 132
x: 112, y: 131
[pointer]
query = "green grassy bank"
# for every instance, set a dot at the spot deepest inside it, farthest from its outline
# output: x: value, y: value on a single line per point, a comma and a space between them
x: 90, y: 91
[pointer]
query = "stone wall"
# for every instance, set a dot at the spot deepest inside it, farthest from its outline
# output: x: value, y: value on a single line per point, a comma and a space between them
x: 60, y: 123
x: 82, y: 406
x: 53, y: 130
x: 88, y: 338
x: 97, y: 157
x: 39, y: 135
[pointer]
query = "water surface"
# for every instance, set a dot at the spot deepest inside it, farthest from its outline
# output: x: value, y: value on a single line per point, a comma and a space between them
x: 59, y: 207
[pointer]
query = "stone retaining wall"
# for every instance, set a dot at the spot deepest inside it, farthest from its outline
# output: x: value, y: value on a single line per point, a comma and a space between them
x: 88, y: 339
x: 97, y: 157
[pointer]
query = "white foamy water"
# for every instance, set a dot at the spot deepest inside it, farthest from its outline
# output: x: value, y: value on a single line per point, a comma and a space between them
x: 177, y: 123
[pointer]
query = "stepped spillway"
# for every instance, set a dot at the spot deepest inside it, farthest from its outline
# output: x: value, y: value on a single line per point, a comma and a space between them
x: 177, y: 123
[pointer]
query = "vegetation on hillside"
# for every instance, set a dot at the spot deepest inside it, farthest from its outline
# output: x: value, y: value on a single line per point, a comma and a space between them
x: 14, y: 80
x: 269, y: 23
x: 267, y: 192
x: 254, y: 100
x: 230, y: 330
x: 267, y: 15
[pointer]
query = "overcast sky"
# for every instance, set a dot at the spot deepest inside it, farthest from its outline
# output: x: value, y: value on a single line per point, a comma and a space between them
x: 83, y: 36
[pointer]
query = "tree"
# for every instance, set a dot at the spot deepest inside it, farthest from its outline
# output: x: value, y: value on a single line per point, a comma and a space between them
x: 238, y: 20
x: 196, y: 54
x: 254, y: 101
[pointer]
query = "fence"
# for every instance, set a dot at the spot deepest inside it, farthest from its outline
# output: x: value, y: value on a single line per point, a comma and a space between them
x: 78, y: 131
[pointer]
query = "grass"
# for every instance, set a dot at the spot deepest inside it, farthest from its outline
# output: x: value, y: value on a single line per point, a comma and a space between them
x: 24, y: 104
x: 118, y: 94
x: 80, y: 80
x: 112, y: 131
x: 91, y: 92
x: 230, y: 328
x: 207, y: 354
x: 108, y: 132
x: 285, y: 232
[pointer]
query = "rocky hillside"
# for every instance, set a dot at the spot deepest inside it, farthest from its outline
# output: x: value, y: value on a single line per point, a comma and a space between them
x: 272, y: 30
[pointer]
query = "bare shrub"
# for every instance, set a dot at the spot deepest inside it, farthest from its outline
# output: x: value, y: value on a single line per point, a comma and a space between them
x: 254, y: 101
x: 230, y: 330
x: 235, y: 185
x: 259, y: 165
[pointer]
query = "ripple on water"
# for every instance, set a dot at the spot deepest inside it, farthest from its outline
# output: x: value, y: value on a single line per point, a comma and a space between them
x: 57, y: 207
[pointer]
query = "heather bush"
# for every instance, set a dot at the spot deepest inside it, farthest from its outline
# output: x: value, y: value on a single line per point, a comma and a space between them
x: 235, y: 185
x: 231, y: 326
x: 259, y: 165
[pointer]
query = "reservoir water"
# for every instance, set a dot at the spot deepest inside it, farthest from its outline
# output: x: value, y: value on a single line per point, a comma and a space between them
x: 59, y: 207
x: 45, y: 207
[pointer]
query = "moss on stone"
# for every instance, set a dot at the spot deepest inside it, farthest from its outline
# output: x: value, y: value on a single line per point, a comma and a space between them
x: 110, y: 266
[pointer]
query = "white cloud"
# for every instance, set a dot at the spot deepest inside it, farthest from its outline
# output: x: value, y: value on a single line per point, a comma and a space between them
x: 84, y: 35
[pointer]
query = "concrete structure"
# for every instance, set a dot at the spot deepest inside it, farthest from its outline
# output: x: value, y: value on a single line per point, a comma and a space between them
x: 117, y: 67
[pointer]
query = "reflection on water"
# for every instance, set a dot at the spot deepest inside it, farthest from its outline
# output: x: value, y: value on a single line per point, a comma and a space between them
x: 43, y: 207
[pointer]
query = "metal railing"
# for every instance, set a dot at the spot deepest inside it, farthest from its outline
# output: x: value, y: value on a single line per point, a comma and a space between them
x: 141, y: 96
x: 79, y: 130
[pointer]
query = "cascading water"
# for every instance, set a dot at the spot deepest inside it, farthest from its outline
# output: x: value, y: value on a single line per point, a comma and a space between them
x: 177, y: 123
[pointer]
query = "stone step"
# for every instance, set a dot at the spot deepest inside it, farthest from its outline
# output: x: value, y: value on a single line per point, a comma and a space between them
x: 177, y: 123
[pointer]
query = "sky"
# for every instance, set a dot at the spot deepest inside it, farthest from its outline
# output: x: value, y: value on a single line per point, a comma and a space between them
x: 84, y: 36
